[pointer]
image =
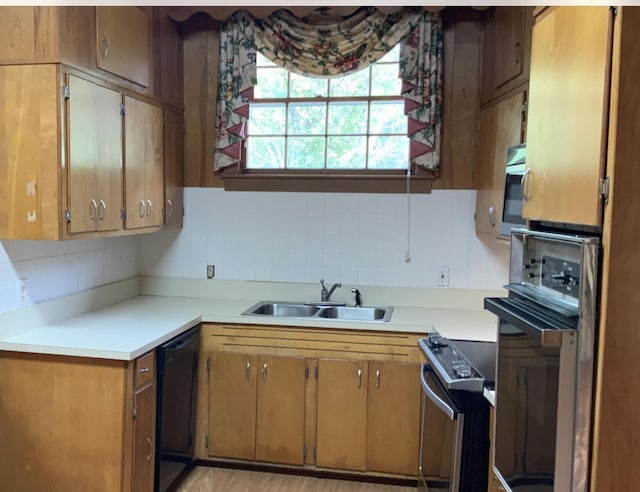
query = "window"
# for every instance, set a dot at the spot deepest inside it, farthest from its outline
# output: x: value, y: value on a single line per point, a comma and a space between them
x: 350, y: 123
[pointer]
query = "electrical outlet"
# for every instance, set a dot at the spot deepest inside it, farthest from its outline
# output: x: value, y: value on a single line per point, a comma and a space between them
x: 442, y: 279
x: 22, y: 291
x: 211, y: 271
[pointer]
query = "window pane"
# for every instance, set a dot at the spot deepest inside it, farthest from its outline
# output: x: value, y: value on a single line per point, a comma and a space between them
x: 352, y: 85
x: 346, y: 152
x: 347, y: 117
x: 388, y: 117
x: 267, y: 119
x: 385, y: 80
x: 263, y: 61
x: 388, y: 152
x: 307, y: 86
x: 307, y: 118
x: 265, y: 152
x: 392, y: 56
x: 272, y: 83
x: 305, y: 152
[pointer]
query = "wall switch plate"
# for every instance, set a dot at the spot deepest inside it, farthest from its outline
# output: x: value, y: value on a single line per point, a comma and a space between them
x: 442, y: 279
x: 211, y: 271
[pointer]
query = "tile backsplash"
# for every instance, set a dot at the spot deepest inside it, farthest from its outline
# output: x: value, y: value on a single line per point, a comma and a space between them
x: 352, y: 238
x: 51, y: 269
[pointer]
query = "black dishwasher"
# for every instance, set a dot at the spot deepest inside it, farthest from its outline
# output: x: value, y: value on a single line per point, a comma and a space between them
x: 176, y: 406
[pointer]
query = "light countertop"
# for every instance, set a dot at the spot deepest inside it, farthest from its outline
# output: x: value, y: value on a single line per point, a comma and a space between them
x: 130, y: 328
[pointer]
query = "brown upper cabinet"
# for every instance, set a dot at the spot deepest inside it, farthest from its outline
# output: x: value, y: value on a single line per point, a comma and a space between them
x: 173, y: 167
x: 122, y: 42
x: 501, y: 126
x: 506, y: 48
x: 94, y: 143
x: 568, y: 111
x: 143, y: 164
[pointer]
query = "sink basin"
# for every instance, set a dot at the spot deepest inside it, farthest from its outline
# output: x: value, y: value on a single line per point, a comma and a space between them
x: 282, y: 309
x: 356, y: 313
x: 302, y: 310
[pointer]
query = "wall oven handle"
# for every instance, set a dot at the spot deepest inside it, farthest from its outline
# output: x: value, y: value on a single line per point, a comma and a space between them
x: 437, y: 401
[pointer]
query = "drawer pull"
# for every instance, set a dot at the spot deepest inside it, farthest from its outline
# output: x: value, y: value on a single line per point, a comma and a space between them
x: 264, y: 372
x: 378, y: 379
x: 143, y: 370
x: 359, y: 378
x: 248, y: 371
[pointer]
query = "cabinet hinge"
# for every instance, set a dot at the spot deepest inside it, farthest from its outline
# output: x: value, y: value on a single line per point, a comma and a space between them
x: 604, y: 189
x: 66, y: 92
x: 315, y: 372
x: 304, y: 451
x: 525, y: 106
x: 614, y: 10
x: 67, y: 215
x: 134, y: 410
x: 209, y: 365
x: 162, y: 122
x: 306, y: 372
x: 123, y: 213
x: 315, y: 452
x: 206, y: 441
x: 183, y: 129
x: 122, y: 109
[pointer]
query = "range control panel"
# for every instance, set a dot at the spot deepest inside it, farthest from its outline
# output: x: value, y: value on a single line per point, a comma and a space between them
x: 560, y: 275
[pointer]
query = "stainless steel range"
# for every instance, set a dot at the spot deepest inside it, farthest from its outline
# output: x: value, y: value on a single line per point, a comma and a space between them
x: 455, y: 415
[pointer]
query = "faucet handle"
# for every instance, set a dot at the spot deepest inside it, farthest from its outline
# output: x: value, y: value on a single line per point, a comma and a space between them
x: 358, y: 298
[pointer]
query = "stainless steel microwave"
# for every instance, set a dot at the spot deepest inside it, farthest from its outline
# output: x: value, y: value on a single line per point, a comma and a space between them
x: 513, y: 197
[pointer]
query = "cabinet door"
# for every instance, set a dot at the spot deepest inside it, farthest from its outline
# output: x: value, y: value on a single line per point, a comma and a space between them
x: 173, y: 167
x: 94, y: 157
x: 393, y: 417
x: 342, y: 414
x: 144, y: 438
x: 280, y: 410
x: 143, y: 164
x: 501, y: 127
x: 122, y: 42
x: 232, y: 405
x: 568, y: 108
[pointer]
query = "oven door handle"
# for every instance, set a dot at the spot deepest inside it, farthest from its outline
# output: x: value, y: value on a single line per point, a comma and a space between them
x: 437, y: 401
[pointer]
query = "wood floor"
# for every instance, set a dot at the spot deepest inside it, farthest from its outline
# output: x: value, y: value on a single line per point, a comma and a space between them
x: 205, y: 479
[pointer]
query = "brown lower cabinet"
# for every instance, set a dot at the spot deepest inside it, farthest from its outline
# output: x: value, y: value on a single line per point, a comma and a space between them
x: 257, y: 407
x: 73, y: 423
x: 368, y: 416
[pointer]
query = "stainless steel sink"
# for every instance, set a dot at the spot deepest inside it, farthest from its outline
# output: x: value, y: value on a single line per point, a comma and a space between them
x: 356, y: 313
x: 302, y: 310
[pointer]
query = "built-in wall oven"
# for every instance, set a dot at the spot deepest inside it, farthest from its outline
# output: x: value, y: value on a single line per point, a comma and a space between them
x: 454, y: 441
x: 546, y: 347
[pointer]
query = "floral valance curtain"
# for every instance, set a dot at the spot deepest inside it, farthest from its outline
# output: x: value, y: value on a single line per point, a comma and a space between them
x: 326, y: 45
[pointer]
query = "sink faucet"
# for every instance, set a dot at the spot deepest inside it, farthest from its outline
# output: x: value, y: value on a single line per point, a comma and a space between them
x: 324, y: 293
x: 358, y: 298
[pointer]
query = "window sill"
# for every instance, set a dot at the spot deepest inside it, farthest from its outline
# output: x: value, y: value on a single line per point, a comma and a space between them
x: 327, y: 183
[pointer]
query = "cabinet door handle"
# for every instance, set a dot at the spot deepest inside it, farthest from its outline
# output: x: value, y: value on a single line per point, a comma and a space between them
x: 492, y: 215
x: 378, y: 379
x: 524, y: 185
x: 247, y: 371
x: 142, y: 207
x: 105, y: 46
x: 102, y: 209
x: 359, y: 378
x: 148, y: 457
x: 143, y: 370
x: 169, y: 208
x: 93, y: 210
x: 149, y: 205
x: 264, y: 372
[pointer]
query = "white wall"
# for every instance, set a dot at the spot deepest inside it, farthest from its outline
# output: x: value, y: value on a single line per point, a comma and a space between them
x: 352, y: 238
x: 53, y: 269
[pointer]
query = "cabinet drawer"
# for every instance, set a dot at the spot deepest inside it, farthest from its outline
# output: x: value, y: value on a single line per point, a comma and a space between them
x: 145, y: 369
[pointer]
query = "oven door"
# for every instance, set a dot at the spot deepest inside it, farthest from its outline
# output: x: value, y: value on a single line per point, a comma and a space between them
x: 441, y: 436
x: 535, y: 353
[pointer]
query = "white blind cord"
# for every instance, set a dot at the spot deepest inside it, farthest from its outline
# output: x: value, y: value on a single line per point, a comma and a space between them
x: 407, y: 254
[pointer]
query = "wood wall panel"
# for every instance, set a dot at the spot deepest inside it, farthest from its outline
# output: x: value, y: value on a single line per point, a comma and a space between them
x: 616, y: 447
x: 462, y: 40
x: 19, y: 40
x: 201, y: 45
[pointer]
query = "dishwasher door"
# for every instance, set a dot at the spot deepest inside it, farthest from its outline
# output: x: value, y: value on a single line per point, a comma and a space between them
x: 176, y: 406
